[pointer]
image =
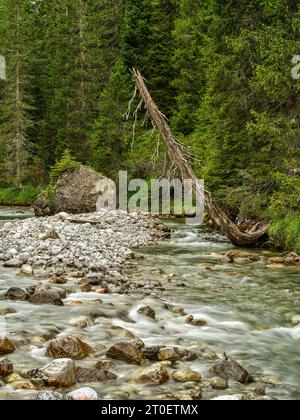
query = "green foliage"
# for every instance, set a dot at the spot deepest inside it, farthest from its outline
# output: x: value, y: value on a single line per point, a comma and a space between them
x: 220, y: 71
x: 65, y: 164
x: 18, y: 197
x: 285, y: 231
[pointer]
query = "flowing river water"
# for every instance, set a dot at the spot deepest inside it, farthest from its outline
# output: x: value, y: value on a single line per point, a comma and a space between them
x: 248, y: 309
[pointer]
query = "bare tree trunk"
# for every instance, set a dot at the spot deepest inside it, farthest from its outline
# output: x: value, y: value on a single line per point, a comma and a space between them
x: 176, y: 153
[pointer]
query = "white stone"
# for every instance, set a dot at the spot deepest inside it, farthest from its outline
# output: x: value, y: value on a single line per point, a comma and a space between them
x: 227, y: 398
x: 26, y: 269
x: 296, y: 320
x: 59, y: 373
x: 83, y: 394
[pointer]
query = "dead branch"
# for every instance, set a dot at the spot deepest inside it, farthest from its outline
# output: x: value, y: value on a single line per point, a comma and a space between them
x: 177, y: 155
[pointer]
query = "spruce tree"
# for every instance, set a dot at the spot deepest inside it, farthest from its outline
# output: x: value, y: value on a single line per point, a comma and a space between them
x: 111, y: 132
x: 16, y: 104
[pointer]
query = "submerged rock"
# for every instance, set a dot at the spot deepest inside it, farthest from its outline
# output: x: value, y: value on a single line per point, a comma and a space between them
x: 85, y: 375
x: 291, y: 259
x: 230, y: 369
x: 69, y: 347
x: 15, y: 293
x: 130, y: 352
x: 151, y: 353
x: 147, y: 311
x: 81, y: 322
x: 6, y: 368
x: 154, y: 375
x: 6, y: 346
x: 196, y: 322
x: 239, y: 257
x: 7, y: 311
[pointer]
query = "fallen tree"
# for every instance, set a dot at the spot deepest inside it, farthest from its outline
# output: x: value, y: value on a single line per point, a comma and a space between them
x: 258, y: 233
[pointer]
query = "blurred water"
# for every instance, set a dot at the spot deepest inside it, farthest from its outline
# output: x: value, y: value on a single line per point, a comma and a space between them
x: 248, y: 309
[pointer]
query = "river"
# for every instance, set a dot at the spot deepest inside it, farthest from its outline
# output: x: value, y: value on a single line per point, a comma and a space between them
x: 247, y: 307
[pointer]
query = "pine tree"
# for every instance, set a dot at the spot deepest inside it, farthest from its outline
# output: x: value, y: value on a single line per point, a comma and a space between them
x: 190, y: 41
x: 82, y: 44
x: 148, y: 45
x: 111, y: 133
x: 16, y: 103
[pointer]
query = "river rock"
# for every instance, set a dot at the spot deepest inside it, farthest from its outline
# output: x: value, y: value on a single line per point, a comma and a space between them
x: 194, y: 394
x: 69, y: 347
x: 173, y: 354
x: 26, y: 270
x: 6, y: 368
x: 15, y: 293
x: 58, y: 280
x: 118, y: 331
x: 85, y: 375
x: 239, y: 257
x: 59, y: 373
x: 186, y: 376
x: 147, y: 311
x: 7, y: 311
x: 130, y: 352
x: 196, y: 322
x: 219, y: 383
x: 296, y: 320
x: 43, y: 295
x: 81, y: 322
x: 94, y: 279
x: 52, y: 396
x: 13, y: 263
x: 75, y: 192
x: 83, y: 394
x: 291, y: 259
x: 168, y: 353
x: 154, y: 375
x: 228, y: 398
x: 230, y: 369
x: 86, y: 287
x: 6, y: 346
x: 151, y: 353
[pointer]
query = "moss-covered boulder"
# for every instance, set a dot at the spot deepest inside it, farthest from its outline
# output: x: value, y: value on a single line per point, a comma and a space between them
x: 74, y: 191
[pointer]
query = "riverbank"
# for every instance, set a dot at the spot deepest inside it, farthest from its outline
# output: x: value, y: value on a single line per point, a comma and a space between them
x: 18, y: 197
x: 65, y: 246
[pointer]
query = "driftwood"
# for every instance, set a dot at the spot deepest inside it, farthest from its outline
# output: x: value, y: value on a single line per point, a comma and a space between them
x: 176, y: 152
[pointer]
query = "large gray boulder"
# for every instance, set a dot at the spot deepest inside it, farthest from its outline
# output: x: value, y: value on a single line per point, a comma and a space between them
x: 75, y: 192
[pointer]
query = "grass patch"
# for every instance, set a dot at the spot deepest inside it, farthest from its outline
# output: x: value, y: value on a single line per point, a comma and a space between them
x: 18, y: 197
x: 286, y: 232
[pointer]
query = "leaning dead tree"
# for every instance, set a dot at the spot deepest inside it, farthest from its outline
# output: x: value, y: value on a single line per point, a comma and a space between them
x: 257, y: 234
